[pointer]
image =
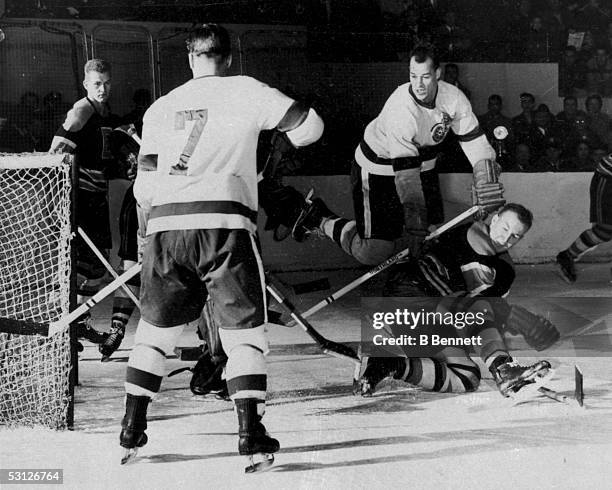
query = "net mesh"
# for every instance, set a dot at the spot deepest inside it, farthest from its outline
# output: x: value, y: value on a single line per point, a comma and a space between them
x: 34, y: 285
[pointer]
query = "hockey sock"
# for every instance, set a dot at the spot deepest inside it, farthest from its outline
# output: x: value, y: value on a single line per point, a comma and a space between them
x: 146, y: 366
x: 589, y: 239
x: 340, y: 230
x: 123, y: 306
x: 457, y: 375
x: 245, y: 373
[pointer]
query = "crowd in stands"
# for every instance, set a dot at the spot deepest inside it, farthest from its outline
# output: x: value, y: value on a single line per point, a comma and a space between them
x: 537, y: 140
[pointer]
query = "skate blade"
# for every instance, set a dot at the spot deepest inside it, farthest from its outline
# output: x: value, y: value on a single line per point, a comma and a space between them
x: 532, y: 390
x: 105, y: 359
x: 129, y: 455
x: 259, y: 466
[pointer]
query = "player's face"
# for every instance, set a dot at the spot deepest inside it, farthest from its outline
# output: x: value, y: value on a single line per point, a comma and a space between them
x: 98, y: 86
x: 424, y: 79
x: 506, y: 230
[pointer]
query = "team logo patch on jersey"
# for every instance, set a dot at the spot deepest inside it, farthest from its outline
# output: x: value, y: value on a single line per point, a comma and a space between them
x: 440, y: 130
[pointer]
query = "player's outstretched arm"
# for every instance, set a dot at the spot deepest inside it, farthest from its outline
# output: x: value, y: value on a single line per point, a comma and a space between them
x: 301, y: 124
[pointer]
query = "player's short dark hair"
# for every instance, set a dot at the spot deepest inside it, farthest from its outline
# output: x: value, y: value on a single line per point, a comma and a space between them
x: 210, y: 40
x: 524, y: 215
x: 570, y: 97
x: 495, y: 98
x: 527, y: 95
x: 98, y: 65
x: 421, y: 52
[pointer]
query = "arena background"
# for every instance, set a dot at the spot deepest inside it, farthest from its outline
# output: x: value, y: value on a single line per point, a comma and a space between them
x: 43, y: 56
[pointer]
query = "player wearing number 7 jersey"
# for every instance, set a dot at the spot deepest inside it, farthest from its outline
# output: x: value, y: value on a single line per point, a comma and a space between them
x: 197, y: 178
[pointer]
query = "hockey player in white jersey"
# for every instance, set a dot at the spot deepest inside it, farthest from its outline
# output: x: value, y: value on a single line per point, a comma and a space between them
x: 399, y: 144
x: 197, y: 178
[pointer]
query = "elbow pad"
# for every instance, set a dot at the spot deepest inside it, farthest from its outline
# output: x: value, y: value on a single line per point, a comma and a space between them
x: 309, y: 131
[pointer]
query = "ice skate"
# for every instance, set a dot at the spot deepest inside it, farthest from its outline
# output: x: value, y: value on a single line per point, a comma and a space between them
x: 309, y: 220
x: 566, y: 266
x: 133, y: 426
x: 113, y: 341
x: 86, y: 331
x: 510, y: 377
x: 254, y: 441
x: 376, y: 369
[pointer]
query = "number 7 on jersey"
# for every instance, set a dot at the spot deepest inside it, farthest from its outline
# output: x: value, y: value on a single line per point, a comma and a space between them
x: 200, y: 116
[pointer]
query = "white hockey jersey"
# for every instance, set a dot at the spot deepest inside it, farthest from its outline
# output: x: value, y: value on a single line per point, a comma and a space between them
x: 204, y: 134
x: 406, y: 132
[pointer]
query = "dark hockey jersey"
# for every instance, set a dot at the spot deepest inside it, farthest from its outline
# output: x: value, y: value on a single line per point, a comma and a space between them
x: 451, y: 264
x: 87, y: 133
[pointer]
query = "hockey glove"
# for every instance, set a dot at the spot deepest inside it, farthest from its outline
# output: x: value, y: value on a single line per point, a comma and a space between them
x: 487, y: 191
x: 539, y: 332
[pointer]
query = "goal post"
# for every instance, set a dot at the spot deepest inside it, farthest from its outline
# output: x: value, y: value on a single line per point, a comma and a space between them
x: 36, y: 381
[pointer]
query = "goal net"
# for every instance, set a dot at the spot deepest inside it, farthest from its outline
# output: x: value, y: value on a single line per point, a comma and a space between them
x: 35, y: 233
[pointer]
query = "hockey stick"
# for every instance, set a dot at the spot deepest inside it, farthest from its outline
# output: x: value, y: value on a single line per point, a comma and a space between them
x: 109, y: 267
x: 384, y: 265
x: 27, y: 327
x: 329, y: 347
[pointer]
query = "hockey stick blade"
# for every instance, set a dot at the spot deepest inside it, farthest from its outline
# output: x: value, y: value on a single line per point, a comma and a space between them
x: 329, y: 347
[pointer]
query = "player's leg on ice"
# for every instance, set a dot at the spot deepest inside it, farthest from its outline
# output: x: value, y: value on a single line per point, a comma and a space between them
x: 123, y: 306
x: 509, y: 375
x: 379, y: 219
x: 600, y: 214
x: 242, y: 332
x: 247, y: 384
x: 587, y: 240
x: 93, y: 218
x: 145, y: 371
x: 450, y: 371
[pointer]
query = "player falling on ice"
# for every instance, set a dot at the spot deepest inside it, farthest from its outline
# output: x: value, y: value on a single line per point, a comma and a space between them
x: 197, y: 180
x: 467, y: 269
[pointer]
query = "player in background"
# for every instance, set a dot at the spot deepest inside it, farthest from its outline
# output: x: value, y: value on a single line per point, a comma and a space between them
x: 197, y: 179
x: 127, y: 150
x: 600, y: 213
x: 469, y: 266
x: 86, y: 133
x: 397, y: 148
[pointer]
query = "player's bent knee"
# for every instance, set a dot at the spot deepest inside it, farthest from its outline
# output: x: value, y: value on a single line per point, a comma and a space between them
x: 371, y: 251
x: 255, y: 337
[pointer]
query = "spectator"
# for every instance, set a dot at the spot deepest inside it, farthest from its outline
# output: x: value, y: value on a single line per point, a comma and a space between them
x: 572, y: 73
x: 53, y: 112
x: 580, y: 132
x: 550, y: 161
x: 451, y: 75
x: 597, y: 154
x: 570, y: 111
x: 494, y: 118
x: 582, y: 160
x: 451, y: 39
x: 593, y: 17
x: 597, y: 121
x: 522, y: 122
x: 537, y: 43
x: 599, y: 73
x: 542, y: 132
x: 519, y: 27
x: 522, y: 159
